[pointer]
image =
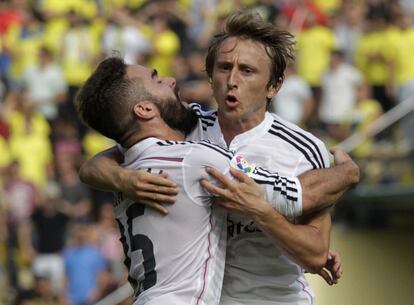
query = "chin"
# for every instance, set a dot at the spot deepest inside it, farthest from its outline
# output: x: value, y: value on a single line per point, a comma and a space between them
x: 231, y: 113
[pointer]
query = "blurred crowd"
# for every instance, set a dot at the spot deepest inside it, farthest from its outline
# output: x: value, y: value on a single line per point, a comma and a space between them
x: 59, y: 243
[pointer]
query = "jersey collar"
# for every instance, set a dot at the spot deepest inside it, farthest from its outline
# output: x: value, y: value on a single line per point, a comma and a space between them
x: 215, y: 134
x: 251, y: 134
x: 135, y: 151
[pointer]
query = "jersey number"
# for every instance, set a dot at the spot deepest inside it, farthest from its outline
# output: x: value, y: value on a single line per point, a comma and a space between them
x: 138, y: 242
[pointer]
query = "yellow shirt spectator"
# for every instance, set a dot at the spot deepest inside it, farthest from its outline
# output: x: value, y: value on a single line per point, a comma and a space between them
x: 404, y: 63
x: 364, y: 114
x: 31, y: 147
x: 57, y: 24
x: 5, y: 157
x: 17, y: 125
x: 109, y: 5
x: 314, y: 47
x: 328, y: 6
x: 86, y: 8
x: 94, y: 142
x: 24, y: 44
x: 166, y: 44
x: 78, y: 54
x: 373, y: 54
x: 34, y: 155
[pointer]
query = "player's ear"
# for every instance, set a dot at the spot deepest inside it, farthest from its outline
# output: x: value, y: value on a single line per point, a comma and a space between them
x: 145, y: 110
x: 274, y: 88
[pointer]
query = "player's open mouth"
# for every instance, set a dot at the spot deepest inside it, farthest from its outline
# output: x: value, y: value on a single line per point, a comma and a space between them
x: 231, y: 101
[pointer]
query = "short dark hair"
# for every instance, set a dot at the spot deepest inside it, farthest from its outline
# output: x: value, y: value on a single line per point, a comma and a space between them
x: 106, y: 100
x: 279, y: 44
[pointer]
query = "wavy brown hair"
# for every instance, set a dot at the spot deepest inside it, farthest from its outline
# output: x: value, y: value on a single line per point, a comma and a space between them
x: 279, y: 44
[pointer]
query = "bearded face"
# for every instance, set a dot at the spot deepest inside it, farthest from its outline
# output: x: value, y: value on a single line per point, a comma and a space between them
x: 175, y: 114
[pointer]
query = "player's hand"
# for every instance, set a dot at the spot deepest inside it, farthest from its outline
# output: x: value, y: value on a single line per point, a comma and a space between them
x: 332, y: 271
x: 340, y: 156
x: 350, y: 168
x: 153, y: 190
x: 245, y: 197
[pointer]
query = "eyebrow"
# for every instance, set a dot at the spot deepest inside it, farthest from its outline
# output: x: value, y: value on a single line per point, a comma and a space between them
x: 247, y: 66
x: 154, y: 73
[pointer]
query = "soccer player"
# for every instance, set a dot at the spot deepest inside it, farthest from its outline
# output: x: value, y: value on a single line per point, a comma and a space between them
x: 266, y: 254
x: 177, y: 259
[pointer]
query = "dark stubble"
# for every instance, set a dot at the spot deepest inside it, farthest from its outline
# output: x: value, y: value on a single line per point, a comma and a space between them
x: 176, y: 115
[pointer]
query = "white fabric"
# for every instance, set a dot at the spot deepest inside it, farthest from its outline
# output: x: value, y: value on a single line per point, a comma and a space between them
x: 189, y: 243
x: 51, y: 266
x: 339, y: 88
x: 256, y: 271
x: 288, y: 102
x: 126, y: 39
x: 43, y: 85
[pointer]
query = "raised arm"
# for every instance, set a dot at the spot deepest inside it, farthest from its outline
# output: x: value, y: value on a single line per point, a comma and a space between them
x: 104, y: 172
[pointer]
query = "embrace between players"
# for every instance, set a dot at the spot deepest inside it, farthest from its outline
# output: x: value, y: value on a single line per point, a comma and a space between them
x: 252, y: 191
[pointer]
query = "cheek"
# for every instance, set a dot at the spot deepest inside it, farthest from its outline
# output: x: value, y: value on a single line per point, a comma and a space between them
x: 256, y: 89
x: 216, y: 86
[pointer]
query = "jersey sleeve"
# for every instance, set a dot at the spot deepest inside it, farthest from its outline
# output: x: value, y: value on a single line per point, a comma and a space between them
x: 121, y: 149
x: 316, y: 157
x: 282, y: 193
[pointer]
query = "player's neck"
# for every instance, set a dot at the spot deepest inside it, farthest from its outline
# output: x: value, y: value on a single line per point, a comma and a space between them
x: 159, y: 133
x: 156, y: 129
x: 231, y: 127
x: 170, y: 134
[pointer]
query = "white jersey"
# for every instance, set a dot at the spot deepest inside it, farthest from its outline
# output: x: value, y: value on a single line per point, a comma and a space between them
x: 256, y: 271
x: 178, y: 259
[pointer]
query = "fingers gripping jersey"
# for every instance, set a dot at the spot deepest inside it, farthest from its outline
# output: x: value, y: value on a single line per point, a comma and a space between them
x: 256, y: 271
x: 179, y: 258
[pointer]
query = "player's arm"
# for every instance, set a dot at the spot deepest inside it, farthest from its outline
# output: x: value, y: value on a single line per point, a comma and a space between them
x: 104, y: 172
x: 313, y: 191
x: 321, y: 188
x: 332, y: 271
x: 307, y: 243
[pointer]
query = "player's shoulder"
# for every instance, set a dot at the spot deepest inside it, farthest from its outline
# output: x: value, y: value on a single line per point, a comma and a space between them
x: 300, y: 141
x: 207, y: 118
x: 210, y: 113
x: 203, y: 149
x: 289, y: 126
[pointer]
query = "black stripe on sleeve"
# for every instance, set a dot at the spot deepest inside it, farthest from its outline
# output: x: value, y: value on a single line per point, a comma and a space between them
x: 308, y: 140
x: 278, y: 179
x: 279, y: 183
x: 205, y: 122
x: 205, y: 143
x: 293, y: 143
x: 278, y: 189
x: 200, y: 113
x: 220, y: 150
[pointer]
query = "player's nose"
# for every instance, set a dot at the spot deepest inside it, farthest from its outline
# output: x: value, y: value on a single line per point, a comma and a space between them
x: 170, y: 81
x: 232, y: 79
